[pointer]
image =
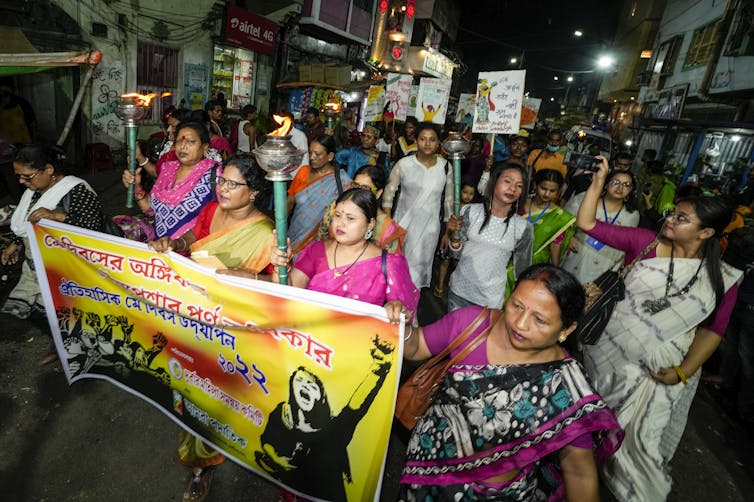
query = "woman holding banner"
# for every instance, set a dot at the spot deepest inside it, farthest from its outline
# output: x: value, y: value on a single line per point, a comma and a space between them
x: 425, y: 181
x: 52, y: 195
x: 350, y: 265
x: 516, y: 419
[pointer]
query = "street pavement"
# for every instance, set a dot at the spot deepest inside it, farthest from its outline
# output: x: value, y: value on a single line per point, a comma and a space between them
x: 93, y: 441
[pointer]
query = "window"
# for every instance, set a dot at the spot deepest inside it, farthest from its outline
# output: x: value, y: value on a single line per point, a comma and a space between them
x: 156, y: 66
x: 667, y: 55
x: 700, y: 49
x: 741, y: 38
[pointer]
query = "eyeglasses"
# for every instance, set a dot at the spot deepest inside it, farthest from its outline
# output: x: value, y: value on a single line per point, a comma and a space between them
x: 27, y: 177
x: 229, y: 184
x: 619, y: 183
x: 681, y: 219
x: 365, y: 187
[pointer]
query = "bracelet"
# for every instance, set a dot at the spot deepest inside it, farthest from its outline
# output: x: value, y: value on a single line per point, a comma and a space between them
x: 142, y: 164
x: 183, y: 248
x: 410, y: 332
x: 140, y: 195
x: 681, y: 376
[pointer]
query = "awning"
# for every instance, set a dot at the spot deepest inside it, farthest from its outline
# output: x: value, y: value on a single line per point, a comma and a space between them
x: 18, y: 56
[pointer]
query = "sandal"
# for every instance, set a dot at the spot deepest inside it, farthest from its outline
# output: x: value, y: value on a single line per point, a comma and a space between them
x: 199, y: 484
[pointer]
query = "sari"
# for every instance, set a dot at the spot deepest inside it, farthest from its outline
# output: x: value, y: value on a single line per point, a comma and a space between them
x: 490, y: 419
x: 633, y: 344
x: 551, y: 225
x: 245, y: 245
x: 366, y: 280
x: 311, y: 202
x: 176, y: 205
x: 387, y: 234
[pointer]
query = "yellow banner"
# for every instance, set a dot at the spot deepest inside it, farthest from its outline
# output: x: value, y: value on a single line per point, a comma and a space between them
x: 297, y: 386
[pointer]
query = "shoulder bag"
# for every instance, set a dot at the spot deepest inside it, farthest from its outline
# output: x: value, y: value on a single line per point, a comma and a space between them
x: 418, y: 392
x: 602, y: 295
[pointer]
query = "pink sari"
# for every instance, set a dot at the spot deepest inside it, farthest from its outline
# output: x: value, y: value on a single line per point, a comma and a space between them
x: 365, y: 280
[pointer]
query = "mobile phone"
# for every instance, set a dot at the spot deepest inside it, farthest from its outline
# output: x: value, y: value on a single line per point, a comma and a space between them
x: 581, y: 161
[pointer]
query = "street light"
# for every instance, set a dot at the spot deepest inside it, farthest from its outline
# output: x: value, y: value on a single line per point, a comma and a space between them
x: 578, y: 33
x: 514, y: 60
x: 570, y: 78
x: 605, y: 61
x: 555, y: 77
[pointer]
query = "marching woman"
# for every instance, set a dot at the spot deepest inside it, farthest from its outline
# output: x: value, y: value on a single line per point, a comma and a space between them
x: 678, y: 300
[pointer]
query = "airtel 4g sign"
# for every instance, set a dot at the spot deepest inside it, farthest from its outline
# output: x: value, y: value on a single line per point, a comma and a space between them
x: 248, y: 30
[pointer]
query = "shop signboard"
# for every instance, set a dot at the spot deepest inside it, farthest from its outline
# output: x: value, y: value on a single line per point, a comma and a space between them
x: 499, y: 97
x: 432, y: 100
x: 396, y: 94
x: 248, y: 30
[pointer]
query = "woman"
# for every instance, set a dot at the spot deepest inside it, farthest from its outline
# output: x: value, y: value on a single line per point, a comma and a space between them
x: 312, y: 190
x: 184, y: 185
x: 426, y: 184
x: 551, y: 223
x: 587, y: 257
x: 655, y: 339
x: 216, y: 140
x: 350, y: 265
x: 235, y: 232
x: 490, y: 235
x: 406, y: 142
x: 304, y: 429
x: 387, y: 233
x: 52, y: 195
x: 516, y: 407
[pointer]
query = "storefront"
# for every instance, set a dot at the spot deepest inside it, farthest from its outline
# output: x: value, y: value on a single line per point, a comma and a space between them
x: 242, y: 63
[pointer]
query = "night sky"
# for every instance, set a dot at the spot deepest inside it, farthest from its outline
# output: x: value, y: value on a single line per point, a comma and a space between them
x: 491, y: 32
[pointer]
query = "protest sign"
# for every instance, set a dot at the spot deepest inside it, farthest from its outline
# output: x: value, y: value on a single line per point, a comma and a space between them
x: 499, y: 98
x: 412, y: 101
x: 529, y: 112
x: 375, y: 103
x: 228, y: 359
x: 465, y: 112
x: 397, y: 93
x: 432, y: 100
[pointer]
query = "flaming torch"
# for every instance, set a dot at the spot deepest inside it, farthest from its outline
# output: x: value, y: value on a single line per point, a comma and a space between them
x: 331, y: 111
x: 279, y: 157
x: 456, y: 147
x: 131, y: 110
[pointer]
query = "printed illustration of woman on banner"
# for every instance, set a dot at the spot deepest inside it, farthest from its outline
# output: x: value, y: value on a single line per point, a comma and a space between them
x: 304, y: 444
x: 484, y: 102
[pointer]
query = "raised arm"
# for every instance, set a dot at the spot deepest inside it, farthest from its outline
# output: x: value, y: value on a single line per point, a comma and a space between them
x: 587, y: 215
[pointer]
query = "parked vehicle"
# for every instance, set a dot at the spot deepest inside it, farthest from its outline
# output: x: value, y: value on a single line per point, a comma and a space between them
x: 581, y: 138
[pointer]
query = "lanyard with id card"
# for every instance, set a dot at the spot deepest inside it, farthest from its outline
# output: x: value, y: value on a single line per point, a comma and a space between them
x: 594, y: 242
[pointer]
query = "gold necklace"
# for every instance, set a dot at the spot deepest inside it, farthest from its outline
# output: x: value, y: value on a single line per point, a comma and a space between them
x: 335, y: 260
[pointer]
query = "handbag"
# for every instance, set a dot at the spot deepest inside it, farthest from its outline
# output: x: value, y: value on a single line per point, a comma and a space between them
x: 418, y: 392
x: 602, y: 295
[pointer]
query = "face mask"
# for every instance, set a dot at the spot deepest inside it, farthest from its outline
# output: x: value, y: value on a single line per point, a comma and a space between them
x: 553, y: 148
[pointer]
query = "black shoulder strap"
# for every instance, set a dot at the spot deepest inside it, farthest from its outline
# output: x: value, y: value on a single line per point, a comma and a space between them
x: 533, y: 164
x: 384, y: 264
x: 338, y: 181
x: 213, y: 181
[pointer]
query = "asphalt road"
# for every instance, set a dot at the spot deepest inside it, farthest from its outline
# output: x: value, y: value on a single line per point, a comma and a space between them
x: 93, y: 441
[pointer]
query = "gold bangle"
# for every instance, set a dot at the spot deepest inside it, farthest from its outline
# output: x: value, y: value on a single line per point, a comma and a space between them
x: 681, y: 376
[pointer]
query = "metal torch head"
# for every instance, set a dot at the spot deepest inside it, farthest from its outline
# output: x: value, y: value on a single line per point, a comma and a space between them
x: 130, y: 111
x: 456, y: 146
x: 279, y: 157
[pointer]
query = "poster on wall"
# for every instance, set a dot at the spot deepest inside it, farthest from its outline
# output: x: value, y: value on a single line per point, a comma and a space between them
x: 432, y: 100
x: 670, y: 102
x: 396, y: 95
x: 499, y: 97
x: 196, y: 78
x: 375, y: 103
x: 108, y: 83
x: 465, y: 112
x: 412, y: 100
x: 529, y: 112
x: 242, y: 82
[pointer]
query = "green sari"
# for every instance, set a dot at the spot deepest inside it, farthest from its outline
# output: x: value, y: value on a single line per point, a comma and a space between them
x: 553, y: 223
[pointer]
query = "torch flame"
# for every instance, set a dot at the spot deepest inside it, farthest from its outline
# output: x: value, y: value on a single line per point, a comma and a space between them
x: 141, y: 99
x: 165, y: 94
x: 335, y: 107
x: 285, y: 125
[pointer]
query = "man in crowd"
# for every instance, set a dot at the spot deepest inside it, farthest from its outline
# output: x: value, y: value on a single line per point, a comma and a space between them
x: 215, y: 111
x: 352, y: 158
x: 313, y: 126
x: 623, y: 161
x: 549, y: 157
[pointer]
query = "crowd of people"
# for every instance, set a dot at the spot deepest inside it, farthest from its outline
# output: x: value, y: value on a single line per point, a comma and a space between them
x: 371, y: 218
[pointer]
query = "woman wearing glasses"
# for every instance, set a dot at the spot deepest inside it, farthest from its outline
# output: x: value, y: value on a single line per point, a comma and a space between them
x: 52, y: 195
x: 587, y: 257
x: 233, y: 229
x: 679, y: 296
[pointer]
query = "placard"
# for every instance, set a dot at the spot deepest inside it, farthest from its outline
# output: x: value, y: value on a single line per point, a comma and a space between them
x: 499, y: 98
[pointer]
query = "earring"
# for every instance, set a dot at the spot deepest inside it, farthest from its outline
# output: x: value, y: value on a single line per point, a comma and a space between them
x: 368, y: 234
x: 562, y: 338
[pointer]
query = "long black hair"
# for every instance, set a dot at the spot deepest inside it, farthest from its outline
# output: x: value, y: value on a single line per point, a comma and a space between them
x: 715, y: 213
x: 566, y: 289
x: 255, y: 179
x: 39, y: 156
x: 320, y: 414
x: 489, y: 192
